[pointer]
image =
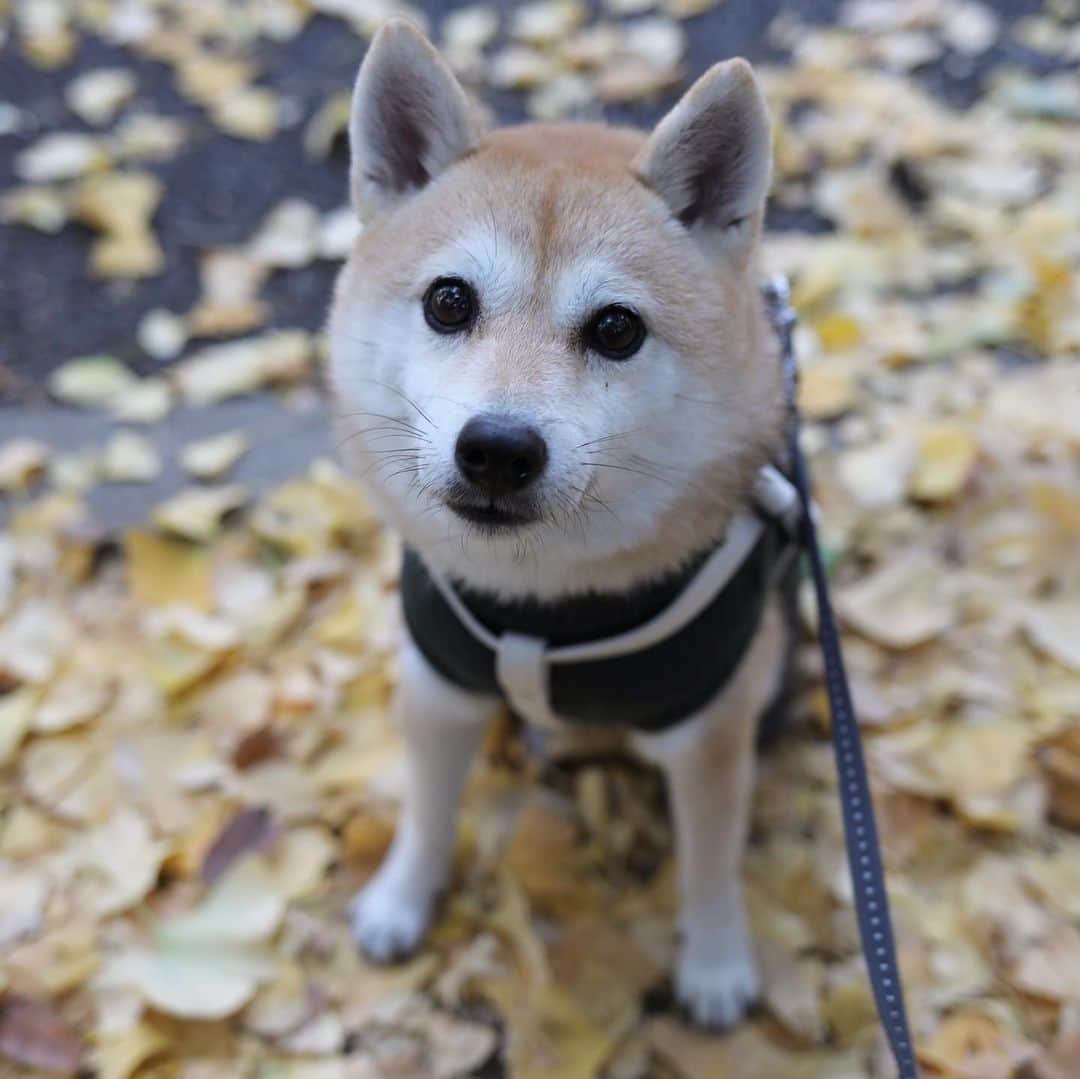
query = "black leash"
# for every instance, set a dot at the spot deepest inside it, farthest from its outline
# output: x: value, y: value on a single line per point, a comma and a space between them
x: 856, y: 805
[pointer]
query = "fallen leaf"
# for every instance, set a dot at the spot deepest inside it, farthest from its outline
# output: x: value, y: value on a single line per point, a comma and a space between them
x: 16, y: 717
x: 60, y: 156
x: 826, y: 392
x: 22, y: 462
x: 35, y: 1035
x: 164, y: 571
x: 1052, y: 968
x: 208, y: 963
x: 162, y: 334
x: 97, y: 96
x: 946, y: 457
x: 253, y: 112
x: 1054, y: 628
x: 224, y: 371
x: 119, y: 1056
x: 902, y: 605
x: 211, y: 458
x: 130, y: 458
x: 248, y: 831
x: 91, y: 381
x: 196, y: 513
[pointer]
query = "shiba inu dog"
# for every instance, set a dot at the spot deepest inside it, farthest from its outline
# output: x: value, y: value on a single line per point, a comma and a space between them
x: 556, y: 380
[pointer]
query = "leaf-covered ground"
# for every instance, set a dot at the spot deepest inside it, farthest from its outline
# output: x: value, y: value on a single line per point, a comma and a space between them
x: 197, y: 768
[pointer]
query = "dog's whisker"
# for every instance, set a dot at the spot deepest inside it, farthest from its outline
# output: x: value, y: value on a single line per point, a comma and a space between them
x: 401, y: 432
x: 381, y: 416
x: 609, y: 438
x: 628, y: 468
x: 394, y: 389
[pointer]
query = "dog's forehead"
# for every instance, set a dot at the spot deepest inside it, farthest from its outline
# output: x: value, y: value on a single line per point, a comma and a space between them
x: 563, y: 241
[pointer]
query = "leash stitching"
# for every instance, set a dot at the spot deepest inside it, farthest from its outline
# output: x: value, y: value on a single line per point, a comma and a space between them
x: 856, y: 803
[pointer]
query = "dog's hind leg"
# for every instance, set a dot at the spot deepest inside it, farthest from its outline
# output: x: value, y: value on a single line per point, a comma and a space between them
x: 709, y: 765
x: 442, y: 727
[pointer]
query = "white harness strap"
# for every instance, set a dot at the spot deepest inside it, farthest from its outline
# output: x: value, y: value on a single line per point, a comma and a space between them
x: 522, y: 671
x: 522, y: 662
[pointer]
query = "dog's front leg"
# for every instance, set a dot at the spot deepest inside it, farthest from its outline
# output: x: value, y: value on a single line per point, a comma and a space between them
x: 709, y: 765
x: 442, y: 727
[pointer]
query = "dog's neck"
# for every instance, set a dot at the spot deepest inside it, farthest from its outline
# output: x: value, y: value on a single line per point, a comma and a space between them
x: 536, y: 572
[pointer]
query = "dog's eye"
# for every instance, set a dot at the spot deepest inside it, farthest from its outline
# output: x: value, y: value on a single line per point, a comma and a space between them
x: 615, y: 332
x: 449, y: 305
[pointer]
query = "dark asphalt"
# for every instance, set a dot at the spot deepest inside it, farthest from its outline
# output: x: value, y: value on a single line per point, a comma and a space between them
x: 219, y: 187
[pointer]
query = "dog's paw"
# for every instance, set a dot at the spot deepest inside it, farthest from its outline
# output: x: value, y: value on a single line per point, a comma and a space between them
x: 388, y: 923
x: 716, y: 992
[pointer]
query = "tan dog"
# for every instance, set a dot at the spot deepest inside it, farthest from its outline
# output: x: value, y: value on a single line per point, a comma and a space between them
x: 556, y: 382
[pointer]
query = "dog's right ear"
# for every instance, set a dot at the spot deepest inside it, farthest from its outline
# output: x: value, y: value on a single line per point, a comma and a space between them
x: 410, y: 119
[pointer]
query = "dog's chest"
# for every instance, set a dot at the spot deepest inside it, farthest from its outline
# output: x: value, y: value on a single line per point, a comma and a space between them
x: 599, y: 659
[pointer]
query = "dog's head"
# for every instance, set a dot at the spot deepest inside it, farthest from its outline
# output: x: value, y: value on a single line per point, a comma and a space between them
x: 548, y: 355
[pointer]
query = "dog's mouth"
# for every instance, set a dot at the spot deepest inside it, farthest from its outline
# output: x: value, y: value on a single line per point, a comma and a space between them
x: 491, y: 517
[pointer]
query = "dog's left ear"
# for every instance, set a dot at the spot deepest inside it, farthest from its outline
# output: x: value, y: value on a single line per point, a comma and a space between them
x: 410, y: 119
x: 710, y: 158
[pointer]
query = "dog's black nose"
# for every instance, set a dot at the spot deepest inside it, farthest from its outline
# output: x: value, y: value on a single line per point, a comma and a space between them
x: 498, y: 455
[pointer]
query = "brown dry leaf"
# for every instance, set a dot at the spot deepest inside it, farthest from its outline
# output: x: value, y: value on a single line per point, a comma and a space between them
x: 545, y: 857
x: 253, y: 112
x: 37, y: 207
x: 121, y: 860
x: 289, y: 237
x: 35, y: 1035
x: 1054, y: 628
x: 224, y: 371
x: 1059, y: 1062
x: 248, y: 831
x: 208, y: 963
x: 97, y: 96
x: 791, y: 989
x: 903, y: 604
x: 16, y: 718
x: 1052, y: 968
x: 695, y: 1054
x: 546, y: 21
x: 119, y: 1056
x: 213, y: 457
x: 22, y: 461
x: 130, y: 458
x: 970, y: 1045
x: 946, y: 457
x: 229, y: 303
x: 75, y: 698
x: 826, y: 391
x: 69, y: 777
x: 208, y: 78
x: 147, y: 401
x: 90, y: 381
x: 60, y: 156
x: 121, y: 205
x: 196, y: 513
x: 548, y: 1033
x: 300, y: 860
x: 406, y: 1035
x: 1060, y: 759
x: 163, y: 571
x: 57, y: 962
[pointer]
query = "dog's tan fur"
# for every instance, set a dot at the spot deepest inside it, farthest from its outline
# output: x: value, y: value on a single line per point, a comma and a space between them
x: 551, y: 222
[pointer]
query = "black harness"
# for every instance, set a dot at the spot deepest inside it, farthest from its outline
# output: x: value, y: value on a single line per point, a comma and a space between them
x: 650, y: 689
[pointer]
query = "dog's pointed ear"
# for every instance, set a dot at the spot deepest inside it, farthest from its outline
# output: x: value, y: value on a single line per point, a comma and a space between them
x: 710, y: 158
x: 410, y: 119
